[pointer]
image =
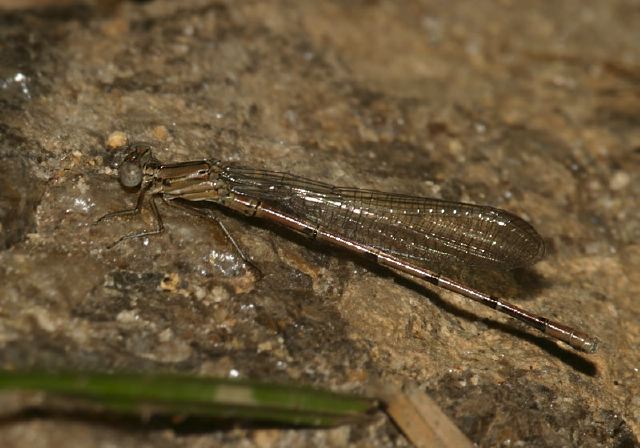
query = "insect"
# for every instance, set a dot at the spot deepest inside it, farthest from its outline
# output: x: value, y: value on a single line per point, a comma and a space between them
x: 397, y: 231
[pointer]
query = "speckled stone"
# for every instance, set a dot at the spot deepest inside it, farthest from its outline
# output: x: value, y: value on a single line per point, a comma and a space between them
x: 528, y: 106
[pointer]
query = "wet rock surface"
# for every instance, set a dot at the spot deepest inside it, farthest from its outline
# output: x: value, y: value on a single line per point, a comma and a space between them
x: 528, y: 106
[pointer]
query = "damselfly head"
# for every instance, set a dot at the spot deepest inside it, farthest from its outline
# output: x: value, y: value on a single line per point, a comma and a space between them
x: 130, y: 174
x: 131, y: 170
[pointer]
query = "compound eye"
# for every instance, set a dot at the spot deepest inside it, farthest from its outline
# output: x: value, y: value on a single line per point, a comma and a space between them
x: 130, y: 174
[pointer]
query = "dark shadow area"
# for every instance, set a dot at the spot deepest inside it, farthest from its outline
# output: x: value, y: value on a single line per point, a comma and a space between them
x: 569, y: 356
x: 572, y: 358
x: 529, y: 279
x: 181, y: 425
x: 50, y: 13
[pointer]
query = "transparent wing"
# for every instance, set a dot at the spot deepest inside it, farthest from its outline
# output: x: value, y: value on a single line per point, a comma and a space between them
x: 415, y: 228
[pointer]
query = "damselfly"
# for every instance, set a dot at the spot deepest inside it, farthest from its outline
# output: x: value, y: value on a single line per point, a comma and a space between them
x: 400, y: 232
